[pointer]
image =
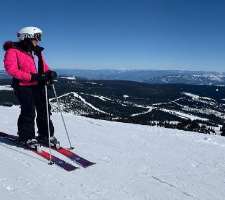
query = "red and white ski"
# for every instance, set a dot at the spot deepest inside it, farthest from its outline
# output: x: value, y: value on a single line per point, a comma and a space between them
x: 12, y: 139
x: 74, y: 157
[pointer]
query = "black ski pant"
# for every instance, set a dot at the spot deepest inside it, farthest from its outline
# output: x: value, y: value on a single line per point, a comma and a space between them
x: 32, y: 101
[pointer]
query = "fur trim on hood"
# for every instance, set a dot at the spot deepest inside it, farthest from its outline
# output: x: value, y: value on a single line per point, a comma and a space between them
x: 8, y: 45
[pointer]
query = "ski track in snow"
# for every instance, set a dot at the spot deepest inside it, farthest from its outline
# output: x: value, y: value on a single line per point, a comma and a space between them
x: 173, y: 186
x: 133, y: 162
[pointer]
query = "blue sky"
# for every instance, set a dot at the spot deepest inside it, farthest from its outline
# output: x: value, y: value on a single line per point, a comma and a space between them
x: 118, y: 34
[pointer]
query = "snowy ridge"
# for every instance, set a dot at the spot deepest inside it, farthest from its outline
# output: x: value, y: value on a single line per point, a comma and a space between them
x: 130, y: 160
x: 200, y: 99
x: 153, y: 76
x: 83, y: 100
x: 76, y: 95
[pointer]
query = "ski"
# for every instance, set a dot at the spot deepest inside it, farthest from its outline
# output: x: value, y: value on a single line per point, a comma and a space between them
x: 57, y: 161
x: 74, y: 157
x: 70, y: 154
x: 44, y: 154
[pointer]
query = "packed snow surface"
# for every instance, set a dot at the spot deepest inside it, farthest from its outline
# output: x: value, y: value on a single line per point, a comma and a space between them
x: 133, y: 162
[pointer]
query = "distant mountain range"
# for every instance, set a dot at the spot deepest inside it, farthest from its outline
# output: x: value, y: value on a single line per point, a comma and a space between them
x: 150, y: 76
x: 146, y: 76
x: 3, y: 75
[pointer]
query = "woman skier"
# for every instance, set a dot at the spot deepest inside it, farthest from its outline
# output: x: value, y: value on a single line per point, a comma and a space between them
x: 24, y: 62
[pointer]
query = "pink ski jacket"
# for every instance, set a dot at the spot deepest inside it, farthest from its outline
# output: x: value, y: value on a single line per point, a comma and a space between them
x: 20, y: 65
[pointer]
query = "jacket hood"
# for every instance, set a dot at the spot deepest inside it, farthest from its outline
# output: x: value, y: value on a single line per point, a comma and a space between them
x: 8, y: 45
x: 25, y: 45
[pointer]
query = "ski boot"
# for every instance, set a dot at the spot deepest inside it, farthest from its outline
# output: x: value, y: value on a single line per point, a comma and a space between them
x: 32, y: 144
x: 53, y: 141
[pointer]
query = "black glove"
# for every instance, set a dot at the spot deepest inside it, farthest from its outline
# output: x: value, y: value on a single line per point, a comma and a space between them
x: 52, y: 76
x: 46, y: 78
x: 40, y: 78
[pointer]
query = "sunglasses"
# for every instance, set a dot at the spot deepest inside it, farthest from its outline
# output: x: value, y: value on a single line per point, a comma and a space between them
x: 37, y: 36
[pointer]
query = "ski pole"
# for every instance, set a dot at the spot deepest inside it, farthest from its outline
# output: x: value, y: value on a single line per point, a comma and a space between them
x: 47, y: 112
x: 60, y: 110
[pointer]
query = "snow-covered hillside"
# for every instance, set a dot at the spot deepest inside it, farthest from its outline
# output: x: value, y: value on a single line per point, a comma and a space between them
x: 134, y: 162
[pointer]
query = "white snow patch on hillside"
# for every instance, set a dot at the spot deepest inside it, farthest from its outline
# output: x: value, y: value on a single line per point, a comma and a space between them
x: 82, y: 99
x: 103, y: 98
x: 85, y: 102
x: 183, y: 115
x: 150, y: 108
x: 206, y: 111
x: 133, y: 162
x: 194, y: 96
x: 93, y: 83
x: 205, y: 100
x: 173, y: 112
x: 69, y: 77
x: 6, y: 87
x: 162, y: 103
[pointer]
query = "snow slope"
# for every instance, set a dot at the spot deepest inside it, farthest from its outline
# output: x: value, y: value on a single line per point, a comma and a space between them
x: 134, y: 162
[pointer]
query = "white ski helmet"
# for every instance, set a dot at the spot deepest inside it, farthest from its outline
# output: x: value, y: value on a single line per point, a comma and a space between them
x: 29, y: 32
